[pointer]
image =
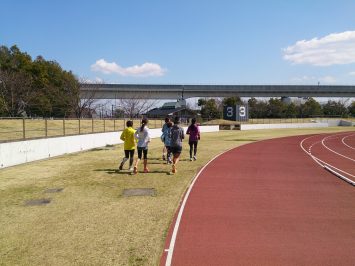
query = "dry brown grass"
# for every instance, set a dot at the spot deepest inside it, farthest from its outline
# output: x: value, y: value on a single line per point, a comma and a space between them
x: 89, y: 222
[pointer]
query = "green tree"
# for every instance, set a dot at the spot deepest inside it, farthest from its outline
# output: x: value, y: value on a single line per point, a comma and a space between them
x: 351, y: 109
x: 232, y: 101
x: 201, y: 102
x: 39, y: 87
x: 276, y: 108
x: 291, y: 110
x: 15, y: 81
x: 119, y: 113
x: 310, y: 108
x: 333, y: 108
x: 257, y: 109
x: 209, y: 109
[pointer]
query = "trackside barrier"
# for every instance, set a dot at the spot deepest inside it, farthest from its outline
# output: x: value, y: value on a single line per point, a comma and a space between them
x: 19, y: 152
x: 270, y: 126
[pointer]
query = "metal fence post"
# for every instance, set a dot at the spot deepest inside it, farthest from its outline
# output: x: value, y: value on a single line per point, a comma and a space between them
x: 46, y: 127
x: 23, y: 128
x: 64, y: 126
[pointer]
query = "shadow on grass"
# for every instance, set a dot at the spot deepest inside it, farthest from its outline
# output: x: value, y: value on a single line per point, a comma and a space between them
x: 127, y: 172
x: 160, y: 171
x: 155, y: 162
x: 155, y: 158
x: 186, y: 160
x: 114, y: 171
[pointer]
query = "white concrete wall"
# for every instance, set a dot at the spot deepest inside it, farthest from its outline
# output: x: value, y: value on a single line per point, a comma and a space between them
x: 331, y: 123
x: 269, y: 126
x: 344, y: 123
x: 14, y: 153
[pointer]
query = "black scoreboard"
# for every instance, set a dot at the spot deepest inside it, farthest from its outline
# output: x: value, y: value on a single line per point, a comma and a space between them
x: 236, y: 113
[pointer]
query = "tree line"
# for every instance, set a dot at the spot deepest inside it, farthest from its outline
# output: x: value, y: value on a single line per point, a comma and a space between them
x: 277, y: 108
x: 41, y: 88
x: 37, y: 87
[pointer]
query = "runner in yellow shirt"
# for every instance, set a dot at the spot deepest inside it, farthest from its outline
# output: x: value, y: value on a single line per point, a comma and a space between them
x: 129, y: 145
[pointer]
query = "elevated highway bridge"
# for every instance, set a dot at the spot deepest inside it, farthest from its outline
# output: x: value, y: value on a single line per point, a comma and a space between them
x: 147, y: 91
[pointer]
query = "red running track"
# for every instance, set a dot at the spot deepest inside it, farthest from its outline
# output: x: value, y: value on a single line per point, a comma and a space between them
x: 265, y: 203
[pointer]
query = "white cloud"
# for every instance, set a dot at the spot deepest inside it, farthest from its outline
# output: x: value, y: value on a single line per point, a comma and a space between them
x: 333, y: 49
x: 304, y: 79
x: 99, y: 80
x: 144, y: 70
x: 314, y: 80
x: 328, y: 79
x: 352, y: 73
x: 96, y: 80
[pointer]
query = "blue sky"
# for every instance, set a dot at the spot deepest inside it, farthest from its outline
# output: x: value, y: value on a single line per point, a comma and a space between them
x: 189, y: 42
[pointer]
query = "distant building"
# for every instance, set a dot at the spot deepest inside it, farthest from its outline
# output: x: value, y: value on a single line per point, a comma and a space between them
x: 172, y: 109
x: 85, y: 113
x: 295, y: 100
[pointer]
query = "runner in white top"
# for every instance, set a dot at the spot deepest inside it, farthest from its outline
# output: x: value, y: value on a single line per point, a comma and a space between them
x: 142, y: 134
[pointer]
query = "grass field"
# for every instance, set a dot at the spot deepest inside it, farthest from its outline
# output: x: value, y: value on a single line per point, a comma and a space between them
x: 90, y: 222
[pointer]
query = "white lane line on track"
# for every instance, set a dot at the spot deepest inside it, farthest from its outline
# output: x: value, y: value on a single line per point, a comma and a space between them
x: 343, y: 141
x: 178, y: 219
x: 340, y: 175
x: 326, y: 165
x: 342, y: 155
x: 309, y: 152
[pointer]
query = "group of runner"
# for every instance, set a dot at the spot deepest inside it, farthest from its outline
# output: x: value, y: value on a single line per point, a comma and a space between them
x: 172, y: 136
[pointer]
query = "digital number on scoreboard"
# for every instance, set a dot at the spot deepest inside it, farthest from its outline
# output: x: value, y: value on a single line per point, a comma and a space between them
x: 236, y: 113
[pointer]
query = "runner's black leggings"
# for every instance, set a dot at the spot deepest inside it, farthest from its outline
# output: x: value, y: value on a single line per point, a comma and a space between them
x: 194, y: 145
x: 143, y: 150
x: 129, y: 154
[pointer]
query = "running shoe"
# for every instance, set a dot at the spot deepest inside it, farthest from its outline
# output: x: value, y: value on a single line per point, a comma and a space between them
x: 195, y: 158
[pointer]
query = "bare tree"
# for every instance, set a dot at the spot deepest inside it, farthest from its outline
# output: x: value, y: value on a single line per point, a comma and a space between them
x: 134, y: 107
x: 84, y: 103
x: 15, y: 92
